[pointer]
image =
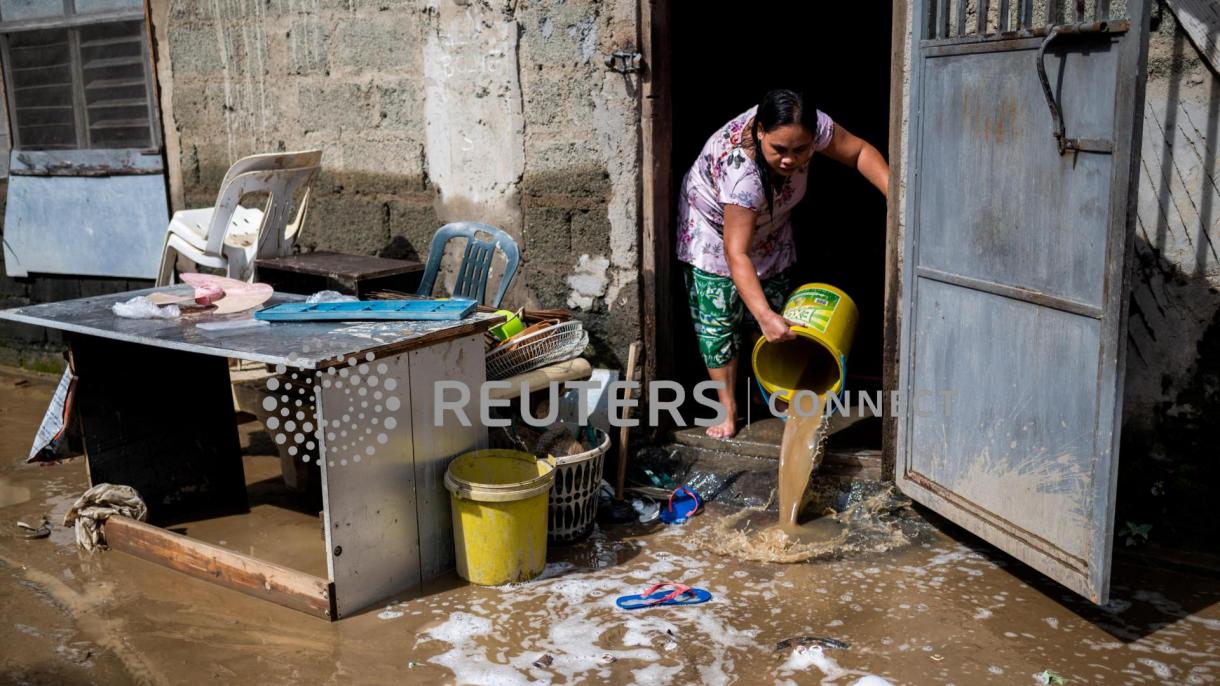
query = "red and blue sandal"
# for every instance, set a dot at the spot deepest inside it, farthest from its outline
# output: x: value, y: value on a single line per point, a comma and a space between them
x: 659, y: 595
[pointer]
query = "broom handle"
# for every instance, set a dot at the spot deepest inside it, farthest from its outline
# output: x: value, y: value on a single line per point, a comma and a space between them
x: 632, y: 353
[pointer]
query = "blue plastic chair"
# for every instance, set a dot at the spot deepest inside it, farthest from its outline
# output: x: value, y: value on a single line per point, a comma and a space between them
x: 476, y: 262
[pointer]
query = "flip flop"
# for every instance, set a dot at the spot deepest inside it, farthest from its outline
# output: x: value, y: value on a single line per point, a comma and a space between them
x: 683, y: 504
x: 657, y: 595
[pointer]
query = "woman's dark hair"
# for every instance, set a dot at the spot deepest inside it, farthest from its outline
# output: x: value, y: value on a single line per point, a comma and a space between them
x: 779, y: 107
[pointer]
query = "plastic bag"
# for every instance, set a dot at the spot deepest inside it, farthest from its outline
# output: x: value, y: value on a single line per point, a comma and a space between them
x: 329, y: 297
x: 140, y: 307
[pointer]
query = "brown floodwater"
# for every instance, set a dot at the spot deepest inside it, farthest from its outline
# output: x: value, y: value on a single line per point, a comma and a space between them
x: 939, y: 608
x: 11, y: 494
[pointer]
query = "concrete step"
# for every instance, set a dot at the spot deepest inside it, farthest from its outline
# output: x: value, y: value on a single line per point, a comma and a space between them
x: 740, y: 480
x: 852, y: 445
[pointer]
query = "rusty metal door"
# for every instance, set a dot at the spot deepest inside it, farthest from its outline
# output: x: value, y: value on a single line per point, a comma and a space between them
x: 1022, y: 138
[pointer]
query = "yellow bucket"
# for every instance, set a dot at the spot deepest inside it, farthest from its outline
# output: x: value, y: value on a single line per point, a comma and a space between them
x: 499, y: 502
x: 817, y: 359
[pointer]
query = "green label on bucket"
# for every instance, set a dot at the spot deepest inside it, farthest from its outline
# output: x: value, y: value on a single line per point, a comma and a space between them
x: 813, y: 307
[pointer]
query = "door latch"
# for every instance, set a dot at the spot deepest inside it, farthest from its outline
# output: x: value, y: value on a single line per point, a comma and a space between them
x: 1061, y: 139
x: 624, y: 61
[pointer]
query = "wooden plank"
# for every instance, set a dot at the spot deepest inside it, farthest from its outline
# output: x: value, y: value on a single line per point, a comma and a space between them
x: 1004, y: 15
x: 984, y: 10
x: 1200, y: 19
x: 893, y: 235
x: 261, y: 579
x: 656, y: 131
x: 961, y: 17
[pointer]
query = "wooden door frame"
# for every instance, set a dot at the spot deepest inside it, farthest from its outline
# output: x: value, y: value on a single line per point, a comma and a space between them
x: 657, y: 207
x: 893, y: 239
x: 656, y: 236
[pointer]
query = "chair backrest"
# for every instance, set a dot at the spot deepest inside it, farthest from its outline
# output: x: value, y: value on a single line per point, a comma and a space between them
x: 273, y: 160
x: 280, y: 176
x: 476, y: 261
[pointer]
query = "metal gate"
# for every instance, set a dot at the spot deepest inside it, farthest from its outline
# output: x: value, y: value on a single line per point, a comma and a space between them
x: 1023, y: 136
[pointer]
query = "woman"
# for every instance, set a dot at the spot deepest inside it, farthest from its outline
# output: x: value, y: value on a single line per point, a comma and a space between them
x: 734, y: 228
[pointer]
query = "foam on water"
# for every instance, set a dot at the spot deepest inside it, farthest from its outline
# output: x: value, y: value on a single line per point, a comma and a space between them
x: 586, y: 634
x: 864, y: 527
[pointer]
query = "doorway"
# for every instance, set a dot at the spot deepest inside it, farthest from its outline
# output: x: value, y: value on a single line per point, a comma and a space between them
x: 722, y: 60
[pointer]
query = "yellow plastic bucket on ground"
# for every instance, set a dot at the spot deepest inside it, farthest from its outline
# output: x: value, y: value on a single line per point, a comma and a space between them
x: 499, y: 503
x: 817, y: 359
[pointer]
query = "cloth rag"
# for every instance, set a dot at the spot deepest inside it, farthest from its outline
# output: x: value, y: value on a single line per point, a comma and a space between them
x: 92, y: 509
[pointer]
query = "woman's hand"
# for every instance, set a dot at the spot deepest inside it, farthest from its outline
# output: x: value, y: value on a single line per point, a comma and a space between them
x: 775, y: 328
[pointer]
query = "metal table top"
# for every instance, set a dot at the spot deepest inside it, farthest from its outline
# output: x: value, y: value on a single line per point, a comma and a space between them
x: 307, y: 345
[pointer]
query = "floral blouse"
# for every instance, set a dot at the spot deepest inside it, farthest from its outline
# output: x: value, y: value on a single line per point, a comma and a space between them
x: 725, y: 175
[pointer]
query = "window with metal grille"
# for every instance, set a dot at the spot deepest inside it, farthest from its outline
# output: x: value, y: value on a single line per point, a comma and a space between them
x: 82, y: 86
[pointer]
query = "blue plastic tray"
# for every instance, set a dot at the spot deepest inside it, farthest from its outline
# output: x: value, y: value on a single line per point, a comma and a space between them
x: 409, y: 310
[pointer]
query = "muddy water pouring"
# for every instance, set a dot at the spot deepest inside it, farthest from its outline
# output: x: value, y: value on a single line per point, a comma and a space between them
x: 815, y: 361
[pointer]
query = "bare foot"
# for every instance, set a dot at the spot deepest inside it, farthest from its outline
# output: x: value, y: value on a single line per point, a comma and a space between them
x: 722, y: 431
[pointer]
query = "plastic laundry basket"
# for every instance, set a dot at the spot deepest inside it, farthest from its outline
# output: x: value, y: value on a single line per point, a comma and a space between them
x: 578, y: 478
x: 499, y: 515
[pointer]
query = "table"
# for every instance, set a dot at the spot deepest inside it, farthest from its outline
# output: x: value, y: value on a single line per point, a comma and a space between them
x: 156, y: 413
x: 356, y: 275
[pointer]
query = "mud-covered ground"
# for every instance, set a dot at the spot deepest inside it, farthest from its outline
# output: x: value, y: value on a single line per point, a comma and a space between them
x: 937, y: 610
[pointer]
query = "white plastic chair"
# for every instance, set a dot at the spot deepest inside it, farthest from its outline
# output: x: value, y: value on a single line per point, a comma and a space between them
x: 231, y: 237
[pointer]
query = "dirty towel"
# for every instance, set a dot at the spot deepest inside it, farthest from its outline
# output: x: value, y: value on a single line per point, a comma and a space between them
x: 96, y: 505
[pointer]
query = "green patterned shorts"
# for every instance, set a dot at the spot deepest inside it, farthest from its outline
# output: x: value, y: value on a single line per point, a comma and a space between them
x: 717, y: 311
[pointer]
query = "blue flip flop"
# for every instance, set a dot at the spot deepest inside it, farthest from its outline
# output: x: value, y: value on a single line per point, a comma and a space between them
x: 658, y: 595
x: 683, y: 504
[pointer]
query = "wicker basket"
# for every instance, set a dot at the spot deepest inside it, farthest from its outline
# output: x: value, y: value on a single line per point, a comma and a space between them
x: 523, y: 353
x: 573, y: 504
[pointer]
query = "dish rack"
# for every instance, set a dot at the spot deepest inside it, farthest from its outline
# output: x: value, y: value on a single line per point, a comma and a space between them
x: 521, y: 354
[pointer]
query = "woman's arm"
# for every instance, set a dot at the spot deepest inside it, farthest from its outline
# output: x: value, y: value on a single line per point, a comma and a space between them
x: 860, y: 154
x: 739, y: 225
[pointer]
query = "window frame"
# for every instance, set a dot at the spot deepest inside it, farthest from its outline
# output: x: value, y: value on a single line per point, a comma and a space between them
x: 72, y: 22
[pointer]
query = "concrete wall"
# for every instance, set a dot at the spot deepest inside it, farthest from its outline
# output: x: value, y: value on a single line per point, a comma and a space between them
x: 427, y: 112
